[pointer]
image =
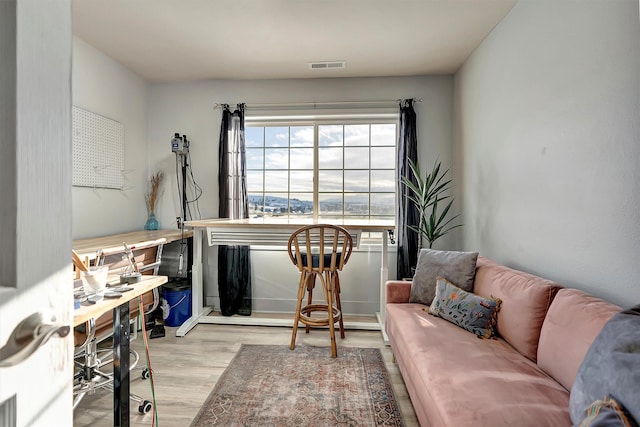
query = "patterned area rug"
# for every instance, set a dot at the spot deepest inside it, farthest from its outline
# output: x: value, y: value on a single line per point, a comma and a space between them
x: 269, y: 385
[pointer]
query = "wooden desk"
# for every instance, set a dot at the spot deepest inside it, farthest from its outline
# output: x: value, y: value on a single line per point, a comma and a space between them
x: 88, y: 311
x: 120, y: 307
x: 89, y: 247
x: 271, y: 232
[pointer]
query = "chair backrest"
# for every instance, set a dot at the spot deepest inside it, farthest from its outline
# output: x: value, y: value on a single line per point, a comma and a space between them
x: 321, y: 247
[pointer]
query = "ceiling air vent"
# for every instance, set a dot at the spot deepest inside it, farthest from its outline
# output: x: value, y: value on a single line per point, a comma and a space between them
x: 328, y: 65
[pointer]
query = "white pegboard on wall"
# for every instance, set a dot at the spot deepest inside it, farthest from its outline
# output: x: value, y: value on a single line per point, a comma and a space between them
x: 98, y: 151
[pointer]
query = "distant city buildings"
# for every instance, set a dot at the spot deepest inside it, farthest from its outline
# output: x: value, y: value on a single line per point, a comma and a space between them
x: 352, y: 205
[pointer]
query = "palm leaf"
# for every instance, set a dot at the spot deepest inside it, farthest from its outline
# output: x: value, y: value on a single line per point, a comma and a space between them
x: 427, y: 193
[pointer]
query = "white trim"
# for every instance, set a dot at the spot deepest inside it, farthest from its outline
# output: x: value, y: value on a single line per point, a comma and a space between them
x: 320, y: 105
x: 268, y: 321
x: 369, y: 117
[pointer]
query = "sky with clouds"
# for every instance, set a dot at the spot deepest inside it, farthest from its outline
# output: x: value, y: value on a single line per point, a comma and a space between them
x: 353, y: 159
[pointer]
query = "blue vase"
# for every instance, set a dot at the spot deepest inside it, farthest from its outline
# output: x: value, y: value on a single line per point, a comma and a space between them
x: 152, y: 222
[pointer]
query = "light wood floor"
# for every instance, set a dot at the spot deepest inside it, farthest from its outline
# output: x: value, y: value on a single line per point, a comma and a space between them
x: 187, y: 368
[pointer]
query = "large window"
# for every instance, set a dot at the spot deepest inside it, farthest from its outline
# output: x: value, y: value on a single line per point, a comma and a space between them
x: 326, y: 169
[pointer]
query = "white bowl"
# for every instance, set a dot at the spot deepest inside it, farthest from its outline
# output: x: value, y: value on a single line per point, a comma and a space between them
x: 94, y: 280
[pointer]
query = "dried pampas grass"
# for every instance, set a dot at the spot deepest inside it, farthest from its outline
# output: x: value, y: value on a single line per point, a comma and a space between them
x: 154, y: 190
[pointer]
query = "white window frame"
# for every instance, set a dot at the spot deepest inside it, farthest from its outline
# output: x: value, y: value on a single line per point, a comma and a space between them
x: 316, y: 122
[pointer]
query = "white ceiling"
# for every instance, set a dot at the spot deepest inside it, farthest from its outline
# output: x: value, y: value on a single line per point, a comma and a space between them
x: 166, y: 40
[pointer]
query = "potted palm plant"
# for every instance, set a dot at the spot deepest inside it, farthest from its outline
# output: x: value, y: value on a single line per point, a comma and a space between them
x: 429, y: 195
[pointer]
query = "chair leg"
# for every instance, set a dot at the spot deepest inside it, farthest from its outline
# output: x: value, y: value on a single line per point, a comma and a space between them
x: 311, y: 283
x: 336, y: 290
x: 329, y: 298
x: 301, y: 289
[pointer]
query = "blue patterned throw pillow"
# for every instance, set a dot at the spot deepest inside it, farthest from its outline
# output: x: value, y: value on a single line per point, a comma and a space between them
x: 472, y: 312
x: 610, y: 367
x: 607, y: 412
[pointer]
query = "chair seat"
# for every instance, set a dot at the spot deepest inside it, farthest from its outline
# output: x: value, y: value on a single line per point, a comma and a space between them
x: 315, y: 259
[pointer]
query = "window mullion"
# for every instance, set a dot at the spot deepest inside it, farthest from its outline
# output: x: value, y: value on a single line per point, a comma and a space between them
x: 370, y: 173
x: 264, y: 173
x: 316, y: 166
x: 344, y: 145
x: 289, y: 173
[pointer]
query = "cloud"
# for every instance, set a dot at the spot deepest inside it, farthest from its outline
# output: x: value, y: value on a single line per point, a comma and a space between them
x: 302, y: 136
x: 276, y: 136
x: 330, y: 135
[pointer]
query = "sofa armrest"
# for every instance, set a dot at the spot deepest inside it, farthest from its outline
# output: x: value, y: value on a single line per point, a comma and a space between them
x: 397, y: 291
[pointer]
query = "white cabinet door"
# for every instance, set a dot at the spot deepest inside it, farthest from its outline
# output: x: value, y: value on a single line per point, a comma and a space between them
x: 35, y: 211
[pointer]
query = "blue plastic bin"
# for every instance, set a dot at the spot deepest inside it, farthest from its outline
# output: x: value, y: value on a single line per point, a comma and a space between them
x: 178, y: 297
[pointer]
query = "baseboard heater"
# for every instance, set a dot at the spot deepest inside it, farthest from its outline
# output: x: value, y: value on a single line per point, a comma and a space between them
x: 260, y: 237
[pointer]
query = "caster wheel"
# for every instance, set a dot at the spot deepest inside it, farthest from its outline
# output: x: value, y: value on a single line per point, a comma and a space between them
x: 145, y: 407
x: 146, y: 374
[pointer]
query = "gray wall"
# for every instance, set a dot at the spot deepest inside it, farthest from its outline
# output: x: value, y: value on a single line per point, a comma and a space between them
x: 547, y: 142
x: 187, y: 108
x: 103, y: 86
x: 151, y: 113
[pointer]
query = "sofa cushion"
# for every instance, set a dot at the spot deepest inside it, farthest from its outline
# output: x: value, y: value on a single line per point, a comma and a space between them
x: 457, y: 267
x: 455, y: 379
x: 474, y: 313
x: 611, y: 367
x: 525, y: 301
x: 572, y: 324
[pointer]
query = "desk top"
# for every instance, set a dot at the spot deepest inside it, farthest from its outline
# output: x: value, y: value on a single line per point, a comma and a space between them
x: 288, y: 223
x: 88, y: 310
x: 89, y: 247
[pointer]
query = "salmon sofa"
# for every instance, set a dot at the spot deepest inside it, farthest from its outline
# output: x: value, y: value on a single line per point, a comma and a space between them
x: 522, y: 378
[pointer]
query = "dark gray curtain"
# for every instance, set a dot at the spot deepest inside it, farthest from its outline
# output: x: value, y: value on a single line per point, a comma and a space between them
x: 407, y: 239
x: 234, y: 267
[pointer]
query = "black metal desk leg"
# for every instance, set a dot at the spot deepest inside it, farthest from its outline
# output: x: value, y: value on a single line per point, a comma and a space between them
x: 121, y: 365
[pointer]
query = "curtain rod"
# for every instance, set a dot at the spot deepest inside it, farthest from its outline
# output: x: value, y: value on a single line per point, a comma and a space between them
x: 217, y: 106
